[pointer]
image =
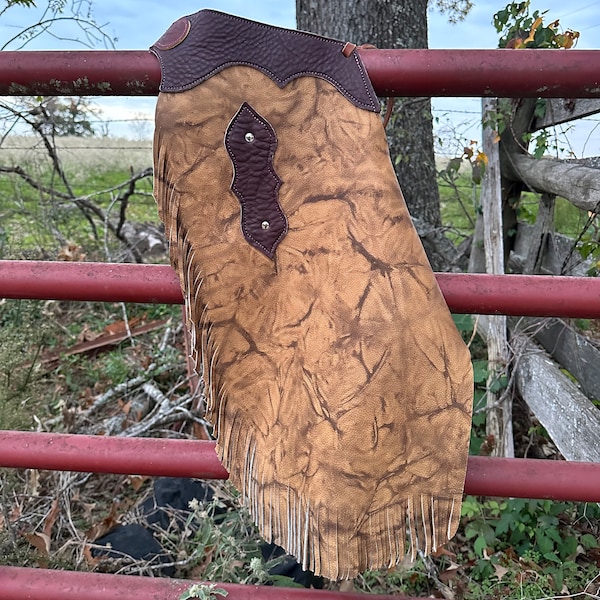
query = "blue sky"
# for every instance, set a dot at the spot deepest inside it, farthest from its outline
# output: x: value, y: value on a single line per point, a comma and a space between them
x: 136, y: 24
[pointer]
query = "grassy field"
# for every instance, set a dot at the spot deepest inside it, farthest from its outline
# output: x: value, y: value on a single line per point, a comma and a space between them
x: 38, y: 221
x: 50, y: 380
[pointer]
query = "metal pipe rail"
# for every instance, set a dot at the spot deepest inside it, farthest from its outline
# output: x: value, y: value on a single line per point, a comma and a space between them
x: 518, y: 295
x: 457, y: 73
x: 17, y: 583
x: 514, y: 477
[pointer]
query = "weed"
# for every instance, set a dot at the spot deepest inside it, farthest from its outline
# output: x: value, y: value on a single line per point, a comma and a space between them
x: 22, y: 340
x: 540, y: 535
x: 203, y: 591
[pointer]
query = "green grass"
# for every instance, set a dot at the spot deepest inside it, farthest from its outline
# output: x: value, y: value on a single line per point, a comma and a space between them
x: 33, y: 222
x: 459, y: 204
x: 30, y: 222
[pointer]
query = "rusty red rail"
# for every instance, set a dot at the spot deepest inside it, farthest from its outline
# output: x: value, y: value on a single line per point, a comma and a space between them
x: 519, y: 478
x: 17, y: 583
x: 502, y: 73
x: 535, y: 73
x: 521, y: 295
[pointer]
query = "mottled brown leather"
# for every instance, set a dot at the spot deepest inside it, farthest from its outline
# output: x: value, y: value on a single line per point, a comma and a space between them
x: 251, y: 144
x: 217, y: 40
x: 339, y: 387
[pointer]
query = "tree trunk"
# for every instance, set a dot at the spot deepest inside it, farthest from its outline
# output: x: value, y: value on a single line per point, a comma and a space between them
x: 385, y: 24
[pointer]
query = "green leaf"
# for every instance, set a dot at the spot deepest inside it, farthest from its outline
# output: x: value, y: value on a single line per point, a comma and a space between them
x: 558, y: 577
x: 454, y: 164
x: 504, y: 523
x: 551, y: 556
x: 489, y: 534
x: 470, y: 507
x: 479, y: 546
x: 498, y: 384
x: 283, y: 581
x: 472, y: 530
x: 540, y: 108
x: 588, y: 541
x: 546, y: 521
x: 480, y: 371
x: 544, y: 543
x: 568, y: 547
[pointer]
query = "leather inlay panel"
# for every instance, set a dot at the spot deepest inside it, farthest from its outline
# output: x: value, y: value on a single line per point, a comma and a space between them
x: 251, y: 144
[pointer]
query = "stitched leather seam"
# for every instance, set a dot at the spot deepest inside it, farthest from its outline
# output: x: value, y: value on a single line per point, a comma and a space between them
x: 280, y: 82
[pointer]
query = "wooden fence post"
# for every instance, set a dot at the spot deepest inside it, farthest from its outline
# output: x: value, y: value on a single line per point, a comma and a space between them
x: 499, y: 405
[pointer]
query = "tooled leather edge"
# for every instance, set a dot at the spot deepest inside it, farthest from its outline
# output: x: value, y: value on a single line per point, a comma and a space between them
x: 216, y: 40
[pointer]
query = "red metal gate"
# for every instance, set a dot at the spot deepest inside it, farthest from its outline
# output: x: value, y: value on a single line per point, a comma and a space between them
x: 575, y: 73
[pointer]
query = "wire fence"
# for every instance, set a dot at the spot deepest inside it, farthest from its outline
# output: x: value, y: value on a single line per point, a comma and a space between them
x: 456, y: 121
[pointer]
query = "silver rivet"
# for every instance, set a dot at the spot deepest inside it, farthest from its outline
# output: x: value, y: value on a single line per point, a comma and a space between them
x: 249, y: 137
x: 265, y: 224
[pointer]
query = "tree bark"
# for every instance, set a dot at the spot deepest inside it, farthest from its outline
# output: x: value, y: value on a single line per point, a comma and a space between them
x: 387, y: 24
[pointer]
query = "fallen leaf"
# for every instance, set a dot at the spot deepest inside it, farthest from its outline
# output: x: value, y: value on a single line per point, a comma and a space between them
x: 442, y: 551
x: 449, y: 573
x: 86, y: 334
x: 119, y: 327
x: 92, y: 561
x: 15, y: 513
x: 51, y: 519
x: 137, y: 481
x: 500, y: 571
x: 124, y: 406
x: 88, y: 509
x: 109, y: 522
x: 40, y: 541
x: 199, y: 431
x: 102, y: 341
x: 71, y: 252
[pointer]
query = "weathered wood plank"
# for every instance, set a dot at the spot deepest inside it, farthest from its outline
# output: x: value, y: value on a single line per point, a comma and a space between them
x: 542, y: 229
x: 563, y: 110
x: 578, y: 184
x: 557, y: 251
x: 499, y: 409
x: 572, y: 421
x: 576, y: 353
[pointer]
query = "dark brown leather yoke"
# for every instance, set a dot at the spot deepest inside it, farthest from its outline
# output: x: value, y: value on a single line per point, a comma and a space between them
x: 200, y: 45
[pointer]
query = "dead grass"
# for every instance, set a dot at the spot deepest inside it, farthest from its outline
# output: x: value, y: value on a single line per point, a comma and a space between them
x: 141, y: 387
x: 80, y: 155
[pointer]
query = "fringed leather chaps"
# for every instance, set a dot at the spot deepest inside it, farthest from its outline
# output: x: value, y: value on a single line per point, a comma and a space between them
x: 339, y: 388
